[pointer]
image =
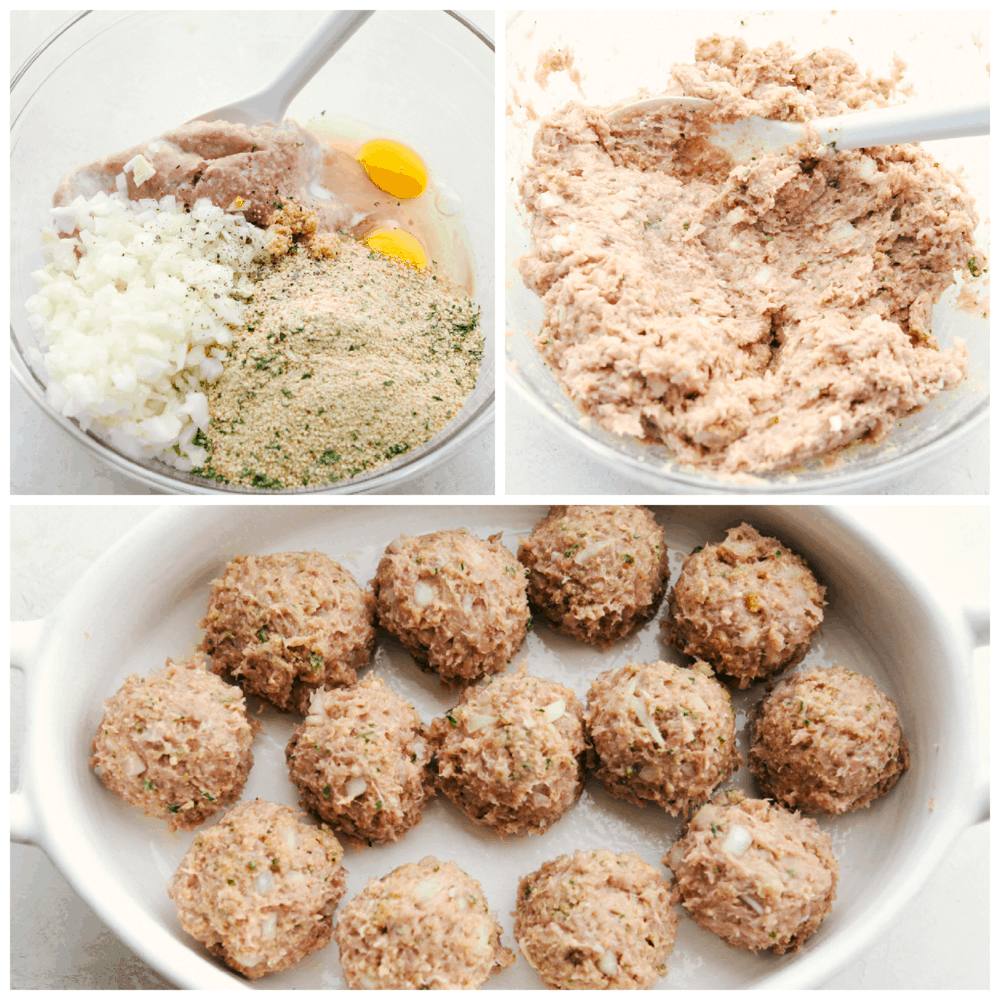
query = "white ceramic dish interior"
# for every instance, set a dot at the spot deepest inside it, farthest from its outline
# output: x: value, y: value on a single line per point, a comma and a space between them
x: 424, y: 77
x: 140, y: 602
x: 619, y: 54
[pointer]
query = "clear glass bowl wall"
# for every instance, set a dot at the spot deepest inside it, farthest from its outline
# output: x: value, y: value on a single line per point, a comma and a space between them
x: 619, y: 54
x: 105, y: 82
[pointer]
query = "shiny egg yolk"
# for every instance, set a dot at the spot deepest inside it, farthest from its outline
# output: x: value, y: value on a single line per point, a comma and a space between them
x: 394, y: 168
x: 398, y: 243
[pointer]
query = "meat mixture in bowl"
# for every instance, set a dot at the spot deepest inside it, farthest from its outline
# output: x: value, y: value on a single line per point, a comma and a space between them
x: 749, y: 317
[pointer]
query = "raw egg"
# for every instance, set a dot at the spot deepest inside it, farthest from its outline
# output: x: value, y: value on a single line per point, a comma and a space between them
x: 398, y: 243
x: 393, y: 167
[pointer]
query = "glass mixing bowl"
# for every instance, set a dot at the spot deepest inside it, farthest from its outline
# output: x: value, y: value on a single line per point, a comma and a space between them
x: 108, y: 80
x: 617, y: 55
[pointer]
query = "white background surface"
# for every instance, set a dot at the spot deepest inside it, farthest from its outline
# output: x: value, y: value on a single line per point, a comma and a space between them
x: 940, y: 942
x: 44, y: 460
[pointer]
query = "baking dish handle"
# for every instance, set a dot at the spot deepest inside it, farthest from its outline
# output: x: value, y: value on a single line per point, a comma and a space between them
x: 977, y: 621
x: 24, y: 637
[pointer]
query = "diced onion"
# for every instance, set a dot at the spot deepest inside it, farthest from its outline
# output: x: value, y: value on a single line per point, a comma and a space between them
x: 476, y: 722
x: 753, y: 904
x: 264, y: 883
x: 588, y: 552
x: 608, y: 963
x: 135, y: 765
x: 738, y: 841
x: 554, y: 711
x: 428, y: 889
x: 356, y: 787
x: 423, y: 594
x: 248, y: 959
x: 647, y: 721
x: 269, y: 927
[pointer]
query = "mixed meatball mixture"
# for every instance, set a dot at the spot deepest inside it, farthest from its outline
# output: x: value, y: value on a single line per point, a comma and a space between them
x: 511, y: 754
x: 754, y: 873
x: 457, y: 603
x: 595, y: 920
x: 596, y: 573
x: 360, y: 760
x: 176, y: 743
x: 424, y: 926
x: 754, y: 316
x: 287, y: 625
x: 827, y: 741
x: 661, y: 733
x: 258, y: 890
x: 748, y: 605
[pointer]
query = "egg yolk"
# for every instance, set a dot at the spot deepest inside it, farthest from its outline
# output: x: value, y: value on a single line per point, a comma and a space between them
x: 393, y: 167
x: 398, y: 243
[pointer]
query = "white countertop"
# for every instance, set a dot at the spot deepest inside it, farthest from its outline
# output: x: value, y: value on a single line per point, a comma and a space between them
x: 46, y: 461
x: 57, y: 942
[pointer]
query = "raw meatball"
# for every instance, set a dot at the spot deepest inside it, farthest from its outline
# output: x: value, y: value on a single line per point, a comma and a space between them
x: 596, y: 921
x: 259, y: 888
x: 455, y: 602
x: 360, y: 761
x: 175, y: 743
x: 421, y: 927
x: 511, y: 754
x: 827, y: 741
x: 747, y: 605
x: 754, y: 873
x: 661, y: 733
x: 596, y: 573
x: 288, y: 624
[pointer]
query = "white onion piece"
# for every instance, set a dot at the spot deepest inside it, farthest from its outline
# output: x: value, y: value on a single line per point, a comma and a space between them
x: 356, y: 787
x: 630, y: 687
x: 428, y: 889
x: 295, y: 877
x: 264, y: 883
x: 647, y: 720
x: 648, y: 773
x: 248, y: 959
x: 135, y: 765
x: 270, y: 927
x: 608, y: 963
x: 738, y: 841
x: 290, y: 839
x: 753, y: 904
x: 423, y: 594
x: 476, y: 722
x: 586, y: 554
x: 554, y: 711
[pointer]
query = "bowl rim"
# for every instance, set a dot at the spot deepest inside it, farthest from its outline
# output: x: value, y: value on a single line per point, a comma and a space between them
x: 44, y: 760
x: 858, y: 481
x: 400, y: 471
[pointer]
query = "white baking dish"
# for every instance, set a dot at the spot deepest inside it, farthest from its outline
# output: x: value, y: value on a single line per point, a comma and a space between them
x: 140, y: 602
